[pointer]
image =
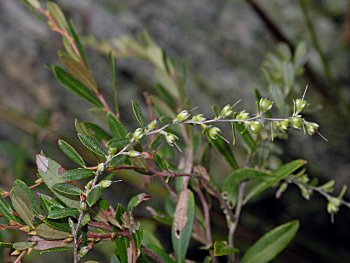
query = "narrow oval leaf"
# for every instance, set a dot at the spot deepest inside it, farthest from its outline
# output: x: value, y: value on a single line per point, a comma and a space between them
x: 221, y: 248
x: 71, y: 153
x: 138, y: 114
x: 225, y: 150
x: 68, y: 189
x: 138, y: 199
x: 116, y: 127
x: 75, y: 85
x: 23, y: 245
x: 22, y: 204
x: 98, y: 132
x: 32, y: 198
x: 57, y: 15
x: 182, y: 224
x: 117, y: 160
x: 271, y: 244
x: 77, y: 174
x: 52, y: 172
x: 77, y: 41
x: 48, y: 232
x: 278, y: 175
x: 59, y: 224
x: 91, y: 144
x: 79, y: 72
x: 94, y: 195
x: 117, y: 143
x: 6, y: 210
x: 58, y: 213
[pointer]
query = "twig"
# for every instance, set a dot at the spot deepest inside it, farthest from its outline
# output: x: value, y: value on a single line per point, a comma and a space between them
x: 233, y: 224
x: 20, y: 256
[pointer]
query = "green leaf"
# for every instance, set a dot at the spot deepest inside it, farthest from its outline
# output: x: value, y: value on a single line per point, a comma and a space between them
x: 22, y: 204
x: 59, y: 224
x: 117, y: 160
x: 246, y: 136
x: 48, y: 232
x: 138, y: 114
x: 161, y: 253
x: 33, y: 200
x: 57, y: 15
x: 52, y: 172
x: 271, y: 244
x: 6, y: 211
x: 232, y: 182
x: 80, y: 72
x: 75, y: 86
x: 23, y: 245
x: 278, y: 175
x: 96, y: 131
x: 68, y: 189
x: 117, y: 129
x: 122, y: 244
x: 58, y: 213
x: 156, y: 142
x: 136, y: 200
x: 182, y: 224
x: 167, y: 82
x: 94, y: 195
x: 114, y: 80
x: 117, y: 143
x: 77, y: 41
x: 91, y: 144
x: 288, y: 73
x: 71, y: 153
x: 221, y: 248
x: 4, y: 244
x: 225, y: 150
x: 77, y: 174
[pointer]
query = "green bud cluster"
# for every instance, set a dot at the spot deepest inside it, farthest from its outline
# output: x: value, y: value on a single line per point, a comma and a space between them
x: 265, y: 105
x: 183, y: 116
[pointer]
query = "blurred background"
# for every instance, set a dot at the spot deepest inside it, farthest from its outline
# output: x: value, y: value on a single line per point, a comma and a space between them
x: 225, y: 43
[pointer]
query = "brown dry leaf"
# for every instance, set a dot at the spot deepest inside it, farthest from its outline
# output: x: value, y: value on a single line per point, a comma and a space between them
x: 180, y: 216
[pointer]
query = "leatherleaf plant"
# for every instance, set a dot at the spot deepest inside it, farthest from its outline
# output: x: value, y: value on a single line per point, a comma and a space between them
x: 173, y: 146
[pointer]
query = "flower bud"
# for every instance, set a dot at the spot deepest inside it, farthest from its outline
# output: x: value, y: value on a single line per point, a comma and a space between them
x: 170, y: 138
x: 112, y: 151
x: 265, y: 105
x: 83, y: 251
x: 25, y: 229
x: 83, y: 206
x: 214, y: 132
x: 333, y: 205
x: 300, y: 104
x: 226, y: 111
x: 182, y: 116
x: 283, y: 125
x: 296, y: 122
x: 138, y: 134
x: 243, y: 115
x: 100, y: 167
x: 152, y: 125
x: 105, y: 183
x: 198, y: 118
x: 133, y: 154
x: 15, y: 252
x: 255, y: 127
x: 312, y: 127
